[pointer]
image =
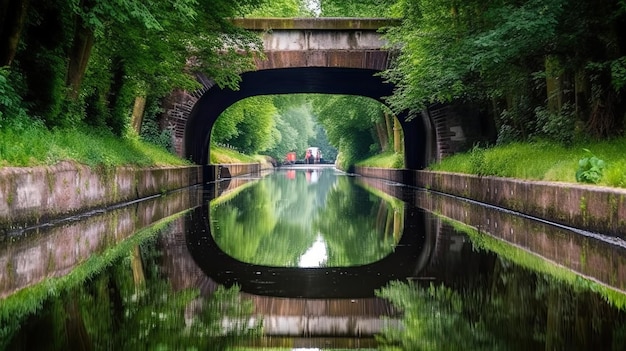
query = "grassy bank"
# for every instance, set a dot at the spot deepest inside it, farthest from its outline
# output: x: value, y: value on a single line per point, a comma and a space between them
x: 221, y: 155
x: 541, y: 160
x: 388, y: 159
x: 37, y: 146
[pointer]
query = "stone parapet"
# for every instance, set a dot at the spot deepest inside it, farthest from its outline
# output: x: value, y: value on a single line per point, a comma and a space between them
x: 592, y: 208
x: 29, y: 196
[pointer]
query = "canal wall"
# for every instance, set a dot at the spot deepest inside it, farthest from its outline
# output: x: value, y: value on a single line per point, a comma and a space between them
x: 588, y: 207
x: 33, y: 195
x: 222, y: 171
x: 34, y: 255
x: 231, y: 170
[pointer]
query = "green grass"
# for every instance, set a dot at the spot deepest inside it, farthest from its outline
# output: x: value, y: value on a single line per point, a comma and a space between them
x: 36, y: 146
x: 387, y: 159
x: 222, y: 155
x: 540, y: 161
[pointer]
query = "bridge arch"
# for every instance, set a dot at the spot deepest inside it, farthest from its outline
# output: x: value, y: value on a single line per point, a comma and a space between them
x: 327, y: 80
x: 322, y: 55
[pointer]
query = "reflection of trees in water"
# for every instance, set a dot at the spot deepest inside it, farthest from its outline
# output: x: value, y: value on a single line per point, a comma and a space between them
x: 264, y: 223
x: 276, y: 221
x: 358, y: 227
x: 270, y: 223
x: 512, y: 309
x: 111, y: 311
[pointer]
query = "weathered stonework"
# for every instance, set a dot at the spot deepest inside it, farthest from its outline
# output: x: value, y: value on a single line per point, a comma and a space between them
x: 599, y: 260
x: 593, y: 208
x: 54, y: 251
x: 31, y: 195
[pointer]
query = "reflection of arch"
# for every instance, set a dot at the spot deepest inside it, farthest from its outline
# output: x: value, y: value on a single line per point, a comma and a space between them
x: 408, y: 260
x: 331, y: 80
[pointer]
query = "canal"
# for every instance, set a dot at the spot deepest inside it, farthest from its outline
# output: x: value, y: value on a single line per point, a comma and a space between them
x: 309, y: 258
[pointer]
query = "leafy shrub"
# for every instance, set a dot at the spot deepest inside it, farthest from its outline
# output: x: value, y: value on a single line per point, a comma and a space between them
x: 560, y: 127
x: 508, y: 134
x: 11, y: 106
x: 590, y: 168
x: 150, y: 132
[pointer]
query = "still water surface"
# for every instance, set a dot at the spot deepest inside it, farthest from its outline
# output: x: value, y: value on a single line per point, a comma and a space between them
x: 310, y: 259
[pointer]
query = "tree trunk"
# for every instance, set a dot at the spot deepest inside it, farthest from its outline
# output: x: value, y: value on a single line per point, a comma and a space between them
x: 79, y: 57
x: 138, y: 109
x: 397, y: 136
x: 389, y: 126
x: 381, y: 132
x: 554, y: 76
x: 12, y: 17
x: 136, y: 265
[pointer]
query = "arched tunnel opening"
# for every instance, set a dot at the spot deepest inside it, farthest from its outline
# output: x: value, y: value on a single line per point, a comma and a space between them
x: 418, y: 138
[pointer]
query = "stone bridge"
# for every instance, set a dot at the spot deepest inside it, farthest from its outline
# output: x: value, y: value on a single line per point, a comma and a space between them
x: 322, y: 55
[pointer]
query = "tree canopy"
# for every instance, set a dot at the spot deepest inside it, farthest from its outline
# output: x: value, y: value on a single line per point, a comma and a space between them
x: 551, y: 69
x: 73, y: 61
x: 542, y: 67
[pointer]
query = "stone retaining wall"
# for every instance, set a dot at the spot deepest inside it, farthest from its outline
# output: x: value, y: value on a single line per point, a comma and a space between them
x: 593, y: 208
x: 54, y: 251
x: 32, y: 195
x: 224, y: 171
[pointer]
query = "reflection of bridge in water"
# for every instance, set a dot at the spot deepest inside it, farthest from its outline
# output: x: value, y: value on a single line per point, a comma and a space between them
x: 297, y: 317
x: 328, y: 303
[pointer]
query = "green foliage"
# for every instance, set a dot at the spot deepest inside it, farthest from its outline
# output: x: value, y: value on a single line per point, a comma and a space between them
x: 11, y: 104
x: 559, y: 127
x: 349, y: 122
x: 477, y: 162
x: 151, y: 133
x: 130, y: 48
x: 433, y: 319
x: 387, y: 159
x: 542, y: 160
x: 224, y: 155
x: 495, y: 52
x: 356, y: 8
x: 296, y: 126
x: 247, y: 125
x: 516, y: 122
x: 618, y: 73
x: 282, y: 8
x: 590, y: 168
x: 33, y: 144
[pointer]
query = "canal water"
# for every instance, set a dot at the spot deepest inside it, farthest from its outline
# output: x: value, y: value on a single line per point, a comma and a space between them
x: 309, y: 259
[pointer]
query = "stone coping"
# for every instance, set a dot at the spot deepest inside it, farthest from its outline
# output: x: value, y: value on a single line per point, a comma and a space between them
x: 592, y: 208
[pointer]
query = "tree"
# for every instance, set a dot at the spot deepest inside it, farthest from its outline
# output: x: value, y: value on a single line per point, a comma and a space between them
x: 282, y: 8
x: 357, y: 8
x: 247, y: 125
x: 98, y: 56
x: 350, y: 124
x: 515, y: 57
